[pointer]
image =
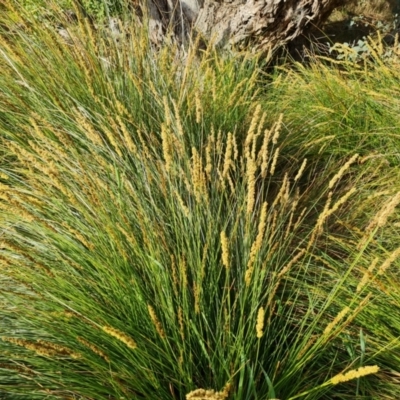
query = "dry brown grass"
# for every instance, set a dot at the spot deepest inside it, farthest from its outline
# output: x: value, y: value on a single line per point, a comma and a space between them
x: 378, y: 10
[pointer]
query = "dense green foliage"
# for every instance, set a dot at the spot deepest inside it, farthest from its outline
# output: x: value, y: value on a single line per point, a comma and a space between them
x: 172, y: 222
x: 96, y: 9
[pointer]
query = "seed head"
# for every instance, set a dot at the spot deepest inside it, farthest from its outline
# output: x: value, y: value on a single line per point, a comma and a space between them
x: 225, y: 250
x: 354, y: 374
x: 260, y: 322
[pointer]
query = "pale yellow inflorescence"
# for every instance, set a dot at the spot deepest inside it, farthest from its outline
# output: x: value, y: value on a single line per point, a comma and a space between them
x: 283, y: 194
x: 277, y: 129
x: 251, y: 131
x: 225, y: 250
x: 228, y: 155
x: 203, y: 394
x: 127, y: 136
x: 260, y: 323
x: 362, y: 304
x: 198, y: 176
x: 342, y: 170
x: 181, y: 323
x: 264, y: 153
x: 167, y: 111
x: 354, y: 374
x: 95, y: 349
x: 43, y: 348
x: 113, y: 135
x: 388, y: 262
x: 196, y: 292
x: 385, y: 212
x: 327, y: 212
x: 178, y: 122
x: 156, y: 322
x: 250, y: 156
x: 251, y: 183
x: 256, y: 135
x: 340, y: 202
x: 122, y: 337
x: 199, y: 110
x: 209, y: 162
x: 248, y: 274
x: 301, y: 170
x: 335, y: 321
x: 88, y: 128
x: 256, y: 246
x: 182, y: 204
x: 274, y: 161
x: 289, y: 265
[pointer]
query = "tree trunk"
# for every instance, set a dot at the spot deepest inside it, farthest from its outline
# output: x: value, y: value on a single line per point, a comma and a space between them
x: 261, y: 24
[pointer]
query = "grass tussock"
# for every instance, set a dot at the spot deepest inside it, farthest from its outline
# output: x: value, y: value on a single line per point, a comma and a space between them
x: 180, y: 226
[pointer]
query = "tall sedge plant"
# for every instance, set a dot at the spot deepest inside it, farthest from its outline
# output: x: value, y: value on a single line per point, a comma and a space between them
x: 160, y: 239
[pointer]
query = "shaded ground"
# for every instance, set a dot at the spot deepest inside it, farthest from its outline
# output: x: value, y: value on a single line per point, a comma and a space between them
x: 349, y: 25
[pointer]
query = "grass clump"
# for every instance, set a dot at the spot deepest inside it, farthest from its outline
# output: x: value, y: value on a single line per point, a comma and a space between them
x: 171, y: 228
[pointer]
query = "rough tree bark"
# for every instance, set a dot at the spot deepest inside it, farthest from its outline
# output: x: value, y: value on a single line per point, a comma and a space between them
x: 262, y: 24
